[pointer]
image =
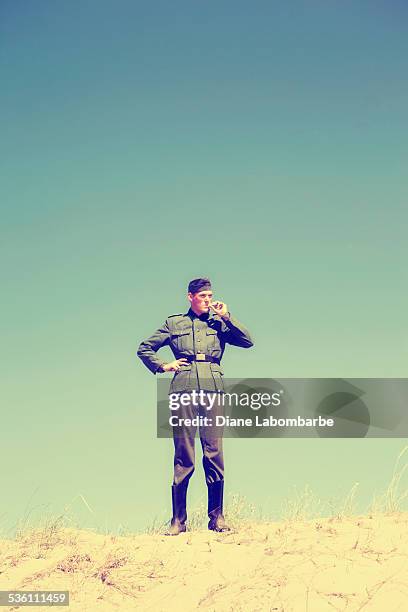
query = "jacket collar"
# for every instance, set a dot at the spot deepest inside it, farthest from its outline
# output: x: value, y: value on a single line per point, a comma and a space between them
x: 204, y: 317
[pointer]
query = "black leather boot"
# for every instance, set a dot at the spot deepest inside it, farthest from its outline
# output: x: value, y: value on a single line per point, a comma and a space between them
x: 178, y: 498
x: 215, y: 503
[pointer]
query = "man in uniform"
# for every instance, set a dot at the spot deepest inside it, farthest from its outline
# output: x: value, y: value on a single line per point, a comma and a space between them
x: 197, y: 340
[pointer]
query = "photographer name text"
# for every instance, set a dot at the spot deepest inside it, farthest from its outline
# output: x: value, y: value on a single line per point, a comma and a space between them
x: 256, y: 421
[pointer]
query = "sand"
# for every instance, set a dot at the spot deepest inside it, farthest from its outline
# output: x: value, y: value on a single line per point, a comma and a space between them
x: 353, y: 563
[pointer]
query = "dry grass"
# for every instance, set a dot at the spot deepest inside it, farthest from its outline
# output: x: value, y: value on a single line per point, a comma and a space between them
x: 300, y: 562
x: 392, y: 500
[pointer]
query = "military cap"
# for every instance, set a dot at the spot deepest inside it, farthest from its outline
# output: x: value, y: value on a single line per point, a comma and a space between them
x: 199, y: 284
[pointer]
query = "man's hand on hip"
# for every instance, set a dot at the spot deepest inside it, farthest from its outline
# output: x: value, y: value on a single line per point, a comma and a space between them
x: 174, y: 366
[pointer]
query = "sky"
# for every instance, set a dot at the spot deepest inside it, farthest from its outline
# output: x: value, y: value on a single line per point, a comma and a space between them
x: 144, y: 144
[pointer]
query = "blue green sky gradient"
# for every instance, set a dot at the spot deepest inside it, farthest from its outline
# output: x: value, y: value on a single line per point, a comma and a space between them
x: 144, y: 144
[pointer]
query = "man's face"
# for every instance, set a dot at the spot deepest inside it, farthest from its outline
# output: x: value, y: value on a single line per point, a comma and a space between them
x: 200, y: 301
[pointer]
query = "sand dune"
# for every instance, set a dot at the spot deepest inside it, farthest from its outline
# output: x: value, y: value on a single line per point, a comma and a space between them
x: 355, y: 563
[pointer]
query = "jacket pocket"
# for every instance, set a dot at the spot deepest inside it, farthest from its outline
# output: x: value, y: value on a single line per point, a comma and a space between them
x: 181, y: 338
x: 217, y: 375
x: 181, y: 381
x: 217, y: 369
x: 181, y: 331
x: 212, y: 339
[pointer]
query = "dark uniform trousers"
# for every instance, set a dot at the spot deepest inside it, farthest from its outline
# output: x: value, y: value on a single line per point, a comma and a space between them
x: 210, y: 436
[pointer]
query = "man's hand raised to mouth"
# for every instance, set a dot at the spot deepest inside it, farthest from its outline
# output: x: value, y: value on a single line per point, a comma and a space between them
x: 220, y: 309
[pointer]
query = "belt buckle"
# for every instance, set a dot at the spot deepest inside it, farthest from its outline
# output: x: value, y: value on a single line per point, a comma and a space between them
x: 200, y: 356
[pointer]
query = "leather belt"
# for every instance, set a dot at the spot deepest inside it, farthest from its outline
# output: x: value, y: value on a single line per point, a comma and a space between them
x: 200, y: 357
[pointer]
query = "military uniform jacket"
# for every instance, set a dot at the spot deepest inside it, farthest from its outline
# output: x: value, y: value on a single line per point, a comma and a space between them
x: 189, y: 334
